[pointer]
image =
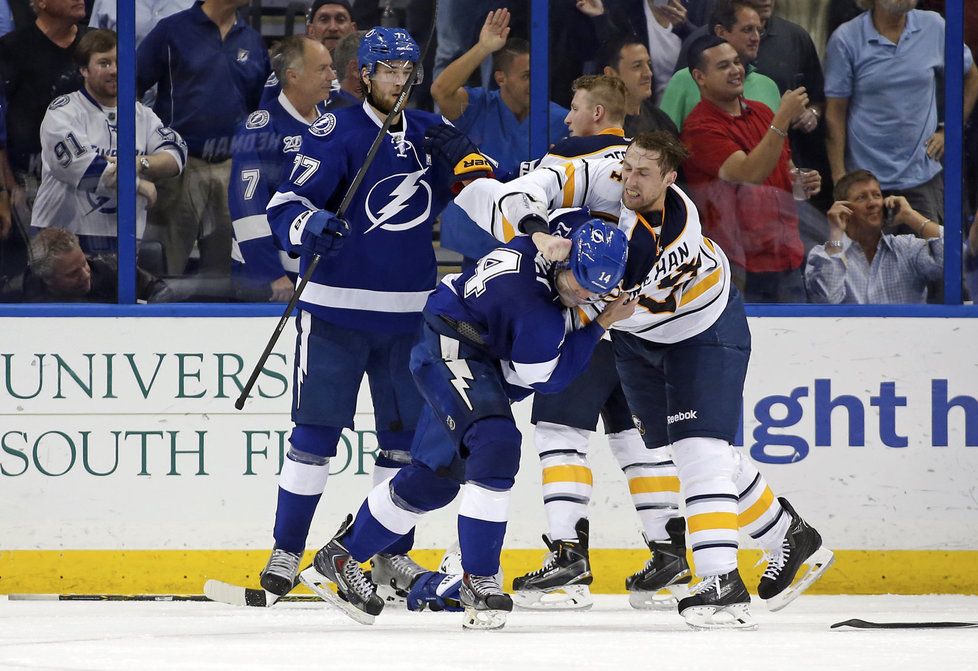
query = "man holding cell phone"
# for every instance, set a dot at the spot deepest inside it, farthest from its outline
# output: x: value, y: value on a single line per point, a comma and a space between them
x: 863, y: 263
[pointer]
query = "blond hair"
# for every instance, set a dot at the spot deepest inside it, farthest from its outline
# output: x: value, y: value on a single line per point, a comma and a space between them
x: 609, y: 92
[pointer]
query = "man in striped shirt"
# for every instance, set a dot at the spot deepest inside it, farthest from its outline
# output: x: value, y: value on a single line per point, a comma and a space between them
x: 860, y: 263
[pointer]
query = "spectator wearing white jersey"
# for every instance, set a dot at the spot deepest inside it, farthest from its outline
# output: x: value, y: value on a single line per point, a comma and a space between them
x: 78, y: 152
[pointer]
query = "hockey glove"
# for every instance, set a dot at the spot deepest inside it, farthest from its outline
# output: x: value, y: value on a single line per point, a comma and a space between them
x: 324, y: 233
x: 451, y: 147
x: 435, y: 591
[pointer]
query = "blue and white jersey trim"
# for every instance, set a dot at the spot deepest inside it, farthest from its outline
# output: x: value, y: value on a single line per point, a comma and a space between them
x: 364, y: 299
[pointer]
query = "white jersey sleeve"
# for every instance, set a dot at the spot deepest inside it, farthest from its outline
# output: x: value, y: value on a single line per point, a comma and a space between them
x: 158, y: 138
x: 499, y: 208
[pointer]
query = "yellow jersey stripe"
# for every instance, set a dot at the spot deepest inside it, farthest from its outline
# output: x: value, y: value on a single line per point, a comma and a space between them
x: 568, y: 201
x: 508, y: 231
x: 567, y: 473
x: 710, y: 521
x: 761, y: 506
x: 702, y: 286
x: 653, y: 485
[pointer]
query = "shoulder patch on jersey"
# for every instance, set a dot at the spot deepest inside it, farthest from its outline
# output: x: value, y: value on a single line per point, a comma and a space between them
x: 60, y: 101
x: 271, y: 81
x: 323, y: 126
x: 257, y: 119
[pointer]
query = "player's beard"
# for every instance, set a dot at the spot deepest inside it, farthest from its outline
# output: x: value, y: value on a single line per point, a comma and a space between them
x: 387, y: 104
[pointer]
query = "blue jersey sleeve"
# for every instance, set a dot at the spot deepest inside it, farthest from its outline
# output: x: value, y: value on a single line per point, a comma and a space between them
x: 256, y: 168
x: 309, y: 183
x: 270, y: 91
x: 545, y: 357
x: 149, y: 60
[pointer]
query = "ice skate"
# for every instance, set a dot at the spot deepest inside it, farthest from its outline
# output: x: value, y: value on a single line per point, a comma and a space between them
x: 484, y: 601
x: 394, y: 575
x: 355, y: 593
x: 802, y: 545
x: 402, y: 581
x: 665, y: 578
x: 718, y: 602
x: 278, y: 577
x: 562, y: 582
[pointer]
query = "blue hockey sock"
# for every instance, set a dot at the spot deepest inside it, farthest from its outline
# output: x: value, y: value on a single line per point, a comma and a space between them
x: 481, y: 544
x: 293, y: 517
x: 402, y: 545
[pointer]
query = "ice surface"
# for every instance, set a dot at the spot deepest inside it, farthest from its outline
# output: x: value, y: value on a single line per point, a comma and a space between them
x: 137, y: 636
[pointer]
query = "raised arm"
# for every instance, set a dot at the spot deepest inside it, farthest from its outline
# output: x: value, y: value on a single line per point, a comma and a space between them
x: 755, y: 167
x: 448, y: 88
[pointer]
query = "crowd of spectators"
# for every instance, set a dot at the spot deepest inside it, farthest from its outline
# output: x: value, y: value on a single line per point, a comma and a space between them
x: 815, y: 127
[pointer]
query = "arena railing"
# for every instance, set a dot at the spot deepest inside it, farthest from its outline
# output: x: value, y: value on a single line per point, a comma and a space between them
x: 539, y: 95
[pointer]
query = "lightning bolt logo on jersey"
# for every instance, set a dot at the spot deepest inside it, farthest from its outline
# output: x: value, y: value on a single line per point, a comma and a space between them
x: 386, y: 268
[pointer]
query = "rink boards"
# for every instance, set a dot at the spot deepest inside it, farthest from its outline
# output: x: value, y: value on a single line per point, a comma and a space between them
x: 124, y: 466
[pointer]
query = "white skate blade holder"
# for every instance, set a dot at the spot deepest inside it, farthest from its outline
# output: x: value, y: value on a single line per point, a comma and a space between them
x: 570, y: 597
x: 817, y: 564
x: 665, y: 599
x: 734, y: 616
x: 484, y: 620
x: 319, y: 584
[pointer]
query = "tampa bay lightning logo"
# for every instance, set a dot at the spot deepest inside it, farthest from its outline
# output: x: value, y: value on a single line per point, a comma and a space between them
x: 102, y: 204
x: 60, y: 101
x: 404, y: 198
x: 257, y: 119
x: 323, y: 126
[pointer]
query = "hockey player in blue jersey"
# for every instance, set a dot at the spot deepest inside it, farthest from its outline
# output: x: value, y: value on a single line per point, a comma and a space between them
x: 492, y: 335
x: 263, y: 149
x: 360, y: 313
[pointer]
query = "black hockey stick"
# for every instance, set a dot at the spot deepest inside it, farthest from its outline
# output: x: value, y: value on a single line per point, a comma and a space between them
x: 106, y: 597
x: 341, y: 210
x: 863, y: 624
x: 253, y: 595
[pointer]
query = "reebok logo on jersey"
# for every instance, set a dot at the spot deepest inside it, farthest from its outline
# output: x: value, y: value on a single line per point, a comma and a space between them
x: 681, y: 416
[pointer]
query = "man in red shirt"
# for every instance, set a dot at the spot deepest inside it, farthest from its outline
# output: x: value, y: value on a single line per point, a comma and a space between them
x: 739, y: 172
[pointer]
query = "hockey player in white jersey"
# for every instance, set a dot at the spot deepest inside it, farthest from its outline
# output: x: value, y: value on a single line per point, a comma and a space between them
x: 360, y: 313
x: 79, y: 142
x: 565, y: 421
x: 263, y: 150
x: 682, y: 358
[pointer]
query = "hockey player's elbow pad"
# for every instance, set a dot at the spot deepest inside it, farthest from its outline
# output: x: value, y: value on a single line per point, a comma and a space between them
x: 529, y: 213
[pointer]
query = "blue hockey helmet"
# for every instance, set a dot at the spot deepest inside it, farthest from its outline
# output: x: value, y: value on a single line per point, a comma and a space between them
x: 598, y: 255
x: 386, y: 44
